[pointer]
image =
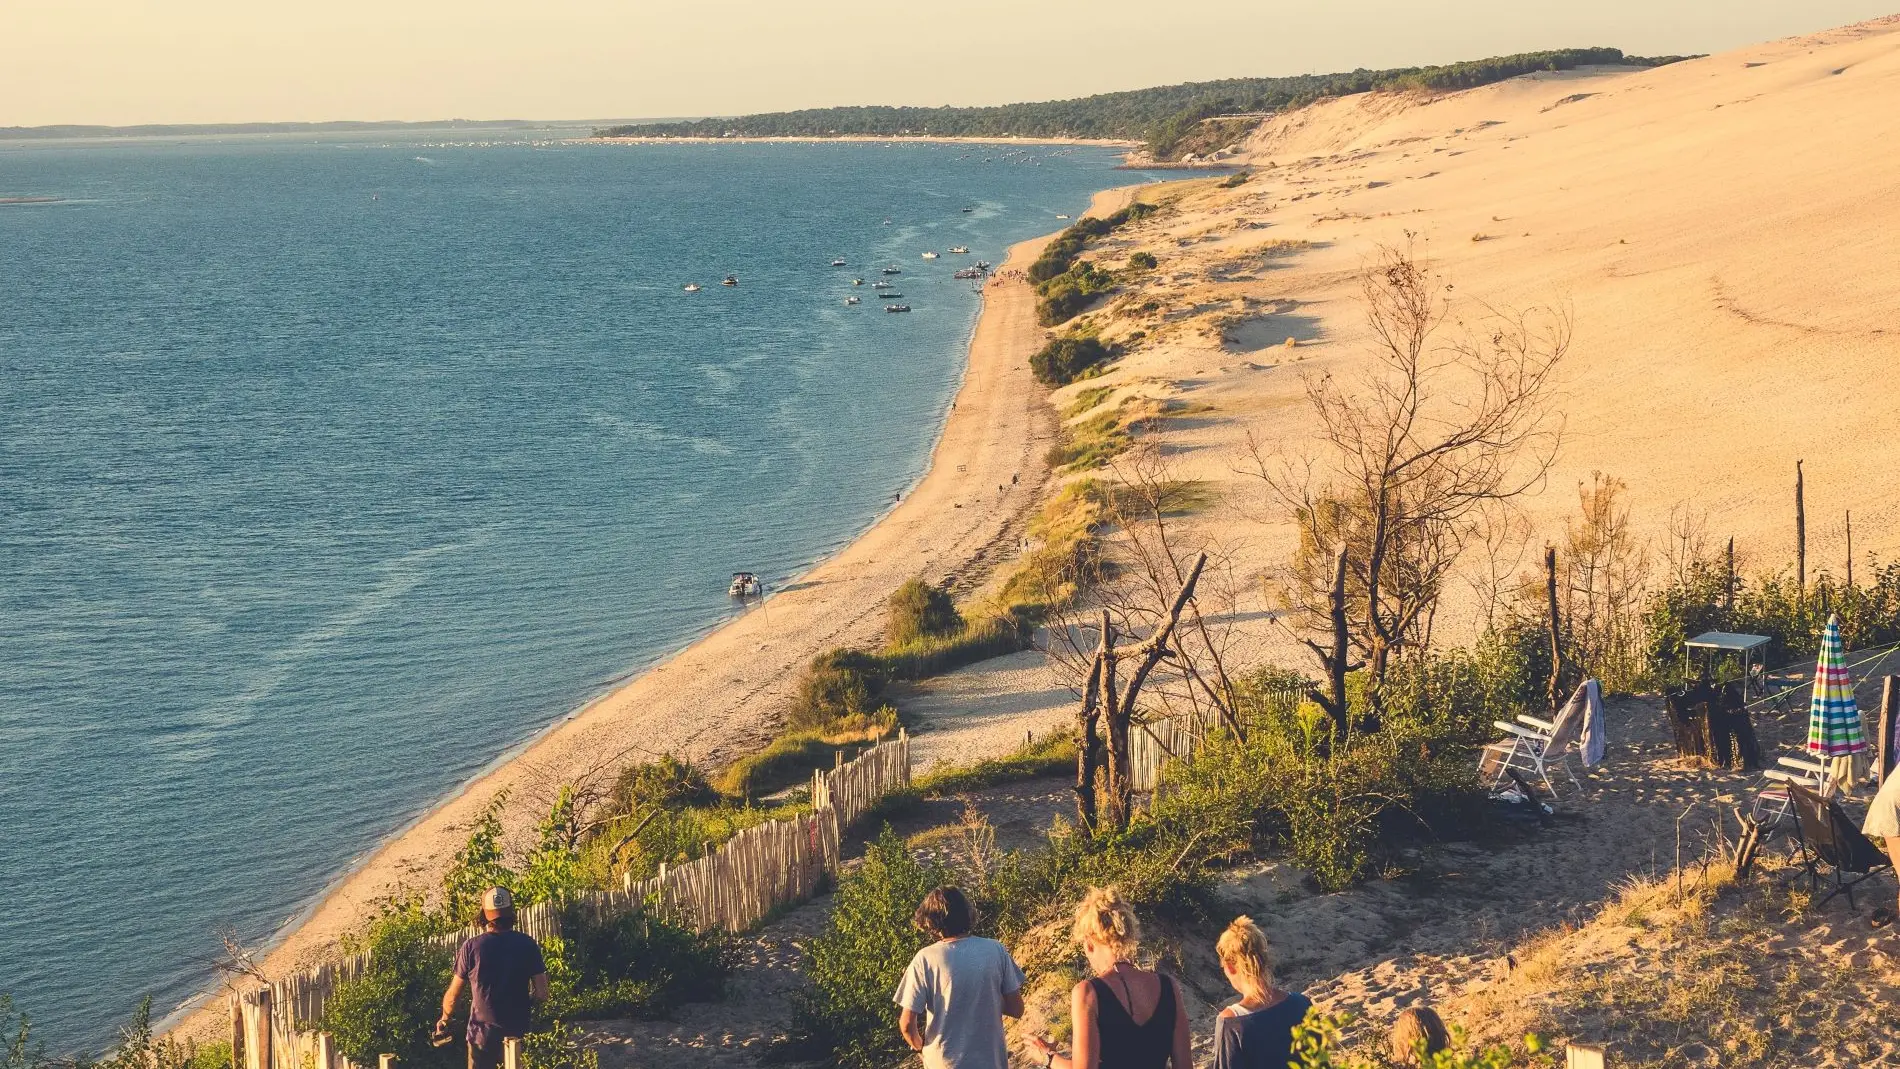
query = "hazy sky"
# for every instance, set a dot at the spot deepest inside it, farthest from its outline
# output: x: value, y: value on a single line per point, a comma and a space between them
x: 131, y: 61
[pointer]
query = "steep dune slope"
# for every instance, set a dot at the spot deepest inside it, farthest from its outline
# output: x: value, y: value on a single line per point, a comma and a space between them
x: 1725, y: 230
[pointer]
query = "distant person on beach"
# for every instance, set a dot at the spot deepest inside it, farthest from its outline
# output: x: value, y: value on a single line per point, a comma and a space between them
x: 1124, y: 1017
x: 957, y: 990
x: 1418, y: 1034
x: 1257, y: 1031
x: 505, y: 975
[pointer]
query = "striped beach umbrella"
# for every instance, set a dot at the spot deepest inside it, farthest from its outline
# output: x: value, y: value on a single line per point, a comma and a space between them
x: 1834, y: 729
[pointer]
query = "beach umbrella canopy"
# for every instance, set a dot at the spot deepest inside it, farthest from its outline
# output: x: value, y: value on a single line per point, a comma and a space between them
x: 1833, y: 719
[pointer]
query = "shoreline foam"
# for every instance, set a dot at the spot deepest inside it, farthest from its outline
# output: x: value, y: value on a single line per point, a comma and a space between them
x: 719, y: 697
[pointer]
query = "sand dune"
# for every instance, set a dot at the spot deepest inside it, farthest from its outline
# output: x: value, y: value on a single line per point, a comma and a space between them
x: 1723, y: 229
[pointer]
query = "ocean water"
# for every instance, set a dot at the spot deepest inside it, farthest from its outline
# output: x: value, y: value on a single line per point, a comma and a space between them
x: 331, y: 469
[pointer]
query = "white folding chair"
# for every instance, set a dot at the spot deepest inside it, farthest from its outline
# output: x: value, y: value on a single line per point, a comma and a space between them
x: 1775, y: 800
x: 1525, y: 749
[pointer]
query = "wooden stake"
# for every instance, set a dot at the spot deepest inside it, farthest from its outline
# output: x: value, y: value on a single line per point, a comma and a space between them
x: 1889, y: 712
x: 237, y: 1032
x: 257, y: 1038
x: 385, y: 1061
x: 1850, y: 547
x: 1800, y: 533
x: 1728, y: 591
x: 326, y: 1051
x: 511, y: 1053
x: 1583, y: 1056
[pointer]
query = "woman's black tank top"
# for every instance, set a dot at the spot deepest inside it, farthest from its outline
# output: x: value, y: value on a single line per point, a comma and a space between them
x: 1127, y: 1045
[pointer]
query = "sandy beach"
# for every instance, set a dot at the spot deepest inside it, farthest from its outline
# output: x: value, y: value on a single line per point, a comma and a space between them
x: 723, y: 695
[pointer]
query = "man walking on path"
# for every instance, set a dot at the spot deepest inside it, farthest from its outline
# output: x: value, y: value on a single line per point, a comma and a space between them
x: 505, y: 974
x: 958, y: 989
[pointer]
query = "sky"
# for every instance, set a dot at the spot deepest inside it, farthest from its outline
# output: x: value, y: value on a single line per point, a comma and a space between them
x: 119, y: 62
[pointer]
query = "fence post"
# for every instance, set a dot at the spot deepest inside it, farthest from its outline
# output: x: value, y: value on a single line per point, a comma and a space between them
x: 326, y: 1051
x: 385, y: 1061
x: 257, y: 1032
x: 1583, y: 1056
x: 511, y: 1053
x: 237, y: 1031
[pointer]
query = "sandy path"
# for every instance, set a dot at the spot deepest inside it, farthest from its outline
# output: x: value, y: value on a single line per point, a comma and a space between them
x: 724, y: 694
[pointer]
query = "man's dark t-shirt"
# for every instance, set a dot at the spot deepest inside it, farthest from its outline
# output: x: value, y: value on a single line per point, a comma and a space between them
x: 497, y: 966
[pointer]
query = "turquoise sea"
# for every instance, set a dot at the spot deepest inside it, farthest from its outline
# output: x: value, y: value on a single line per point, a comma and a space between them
x: 331, y: 469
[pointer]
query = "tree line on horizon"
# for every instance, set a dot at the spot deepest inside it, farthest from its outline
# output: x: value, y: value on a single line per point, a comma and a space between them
x: 1163, y: 118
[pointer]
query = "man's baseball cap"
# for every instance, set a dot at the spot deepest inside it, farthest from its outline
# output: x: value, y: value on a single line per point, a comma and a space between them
x: 497, y: 898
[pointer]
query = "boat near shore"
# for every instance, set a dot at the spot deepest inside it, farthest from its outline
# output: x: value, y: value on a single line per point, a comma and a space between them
x: 960, y: 250
x: 897, y: 308
x: 691, y: 287
x: 930, y: 256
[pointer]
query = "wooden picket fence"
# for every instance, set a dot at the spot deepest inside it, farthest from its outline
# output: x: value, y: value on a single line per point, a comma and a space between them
x: 734, y: 887
x: 1153, y: 745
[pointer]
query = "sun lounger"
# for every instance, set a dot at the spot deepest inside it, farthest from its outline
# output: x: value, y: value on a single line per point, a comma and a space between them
x: 1828, y: 837
x: 1773, y: 800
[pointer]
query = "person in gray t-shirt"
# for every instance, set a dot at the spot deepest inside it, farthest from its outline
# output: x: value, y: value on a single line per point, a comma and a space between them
x: 958, y: 989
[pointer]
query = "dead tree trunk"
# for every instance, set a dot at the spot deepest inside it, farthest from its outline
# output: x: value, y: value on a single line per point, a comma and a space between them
x: 1850, y: 547
x: 1557, y: 666
x: 1334, y: 657
x: 1115, y: 727
x: 1728, y: 589
x: 1088, y: 748
x: 1800, y: 534
x: 1118, y: 708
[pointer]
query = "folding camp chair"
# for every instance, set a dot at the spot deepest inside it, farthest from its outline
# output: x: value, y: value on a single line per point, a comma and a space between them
x: 1525, y: 748
x: 1772, y: 801
x: 1828, y: 837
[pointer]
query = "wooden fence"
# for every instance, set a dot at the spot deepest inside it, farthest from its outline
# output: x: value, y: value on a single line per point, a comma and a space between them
x: 1153, y: 745
x: 751, y: 874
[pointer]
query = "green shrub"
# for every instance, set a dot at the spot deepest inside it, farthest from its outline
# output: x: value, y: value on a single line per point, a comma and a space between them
x: 627, y: 965
x: 920, y: 610
x: 18, y: 1048
x: 838, y: 684
x: 1064, y: 359
x: 790, y: 758
x: 978, y: 640
x: 1143, y: 261
x: 1063, y: 297
x: 666, y: 782
x: 1316, y: 1045
x: 558, y: 1047
x: 844, y: 1014
x: 392, y: 1007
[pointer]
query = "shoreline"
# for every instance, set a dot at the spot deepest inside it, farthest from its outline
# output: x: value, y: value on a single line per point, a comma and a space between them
x: 721, y: 695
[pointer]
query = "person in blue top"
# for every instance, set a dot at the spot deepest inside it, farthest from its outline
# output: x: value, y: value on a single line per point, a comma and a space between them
x: 1257, y: 1031
x: 505, y: 976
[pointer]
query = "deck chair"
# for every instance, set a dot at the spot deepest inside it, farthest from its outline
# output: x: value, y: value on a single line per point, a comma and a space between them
x: 1525, y: 748
x: 1828, y: 837
x: 1773, y: 801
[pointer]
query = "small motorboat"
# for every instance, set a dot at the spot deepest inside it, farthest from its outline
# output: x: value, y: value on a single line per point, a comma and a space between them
x: 930, y: 256
x: 1061, y: 217
x: 851, y: 300
x: 837, y: 263
x: 889, y: 296
x: 966, y: 211
x: 960, y: 250
x: 691, y: 287
x: 883, y: 285
x: 968, y: 272
x: 730, y: 280
x: 745, y: 585
x: 982, y: 265
x: 857, y: 282
x: 897, y: 308
x: 893, y: 270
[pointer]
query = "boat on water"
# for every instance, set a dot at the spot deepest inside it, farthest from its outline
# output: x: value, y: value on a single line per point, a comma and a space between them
x: 1061, y: 217
x: 851, y: 300
x: 930, y: 256
x: 837, y: 263
x: 967, y: 211
x: 691, y: 287
x: 960, y: 250
x: 889, y: 296
x: 745, y: 585
x: 857, y: 282
x: 982, y: 265
x: 897, y: 308
x: 730, y: 280
x: 893, y: 270
x: 883, y: 285
x: 968, y: 272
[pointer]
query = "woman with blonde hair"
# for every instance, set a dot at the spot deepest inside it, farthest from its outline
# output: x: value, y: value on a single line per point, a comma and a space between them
x: 1257, y: 1031
x: 1417, y: 1034
x: 1124, y: 1017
